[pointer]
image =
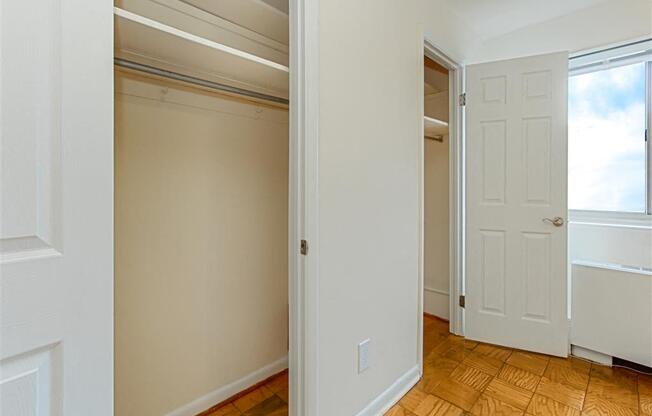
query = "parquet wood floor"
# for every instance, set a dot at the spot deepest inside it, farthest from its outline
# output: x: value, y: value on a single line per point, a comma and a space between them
x: 463, y: 377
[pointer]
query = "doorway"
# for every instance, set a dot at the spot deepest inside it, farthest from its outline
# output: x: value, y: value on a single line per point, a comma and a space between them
x: 441, y: 219
x: 436, y: 221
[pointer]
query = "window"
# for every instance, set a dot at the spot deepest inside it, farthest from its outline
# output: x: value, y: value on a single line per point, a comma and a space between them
x: 608, y: 116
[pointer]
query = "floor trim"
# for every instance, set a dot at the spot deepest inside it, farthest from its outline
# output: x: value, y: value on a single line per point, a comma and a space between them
x: 436, y: 303
x: 224, y: 393
x: 393, y: 394
x: 591, y: 355
x: 439, y: 318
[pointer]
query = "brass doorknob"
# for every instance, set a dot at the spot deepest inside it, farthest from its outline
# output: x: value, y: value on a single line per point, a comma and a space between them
x: 557, y: 221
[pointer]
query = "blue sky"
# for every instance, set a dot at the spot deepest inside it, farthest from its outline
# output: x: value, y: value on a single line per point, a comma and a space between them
x: 606, y: 147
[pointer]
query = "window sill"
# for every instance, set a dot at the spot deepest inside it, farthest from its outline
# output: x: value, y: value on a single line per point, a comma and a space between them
x: 610, y: 218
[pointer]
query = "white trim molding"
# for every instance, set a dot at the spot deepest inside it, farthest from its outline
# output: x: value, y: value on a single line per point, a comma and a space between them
x: 640, y: 270
x: 303, y: 205
x: 610, y: 219
x: 381, y: 404
x: 223, y: 393
x: 611, y: 56
x: 638, y: 50
x: 591, y: 355
x: 438, y: 291
x: 456, y: 188
x: 436, y: 302
x: 456, y: 182
x: 145, y: 21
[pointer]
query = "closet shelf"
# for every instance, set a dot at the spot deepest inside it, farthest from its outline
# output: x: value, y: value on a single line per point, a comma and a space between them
x: 433, y: 127
x: 146, y: 41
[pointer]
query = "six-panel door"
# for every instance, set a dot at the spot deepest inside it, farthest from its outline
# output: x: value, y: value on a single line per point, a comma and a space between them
x: 56, y: 207
x: 516, y: 180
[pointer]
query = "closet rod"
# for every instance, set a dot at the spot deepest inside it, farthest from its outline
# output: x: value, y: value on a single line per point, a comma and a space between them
x: 197, y: 81
x: 438, y: 138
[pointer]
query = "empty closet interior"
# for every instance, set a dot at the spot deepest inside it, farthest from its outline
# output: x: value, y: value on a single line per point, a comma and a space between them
x: 201, y: 201
x: 436, y: 189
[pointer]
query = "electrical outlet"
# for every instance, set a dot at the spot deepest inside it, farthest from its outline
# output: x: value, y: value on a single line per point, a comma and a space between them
x: 363, y: 355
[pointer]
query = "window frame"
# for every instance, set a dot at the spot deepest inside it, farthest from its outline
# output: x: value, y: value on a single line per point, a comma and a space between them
x: 610, y: 218
x: 610, y: 57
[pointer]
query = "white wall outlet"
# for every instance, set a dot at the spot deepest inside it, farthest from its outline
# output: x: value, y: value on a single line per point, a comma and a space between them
x: 363, y: 355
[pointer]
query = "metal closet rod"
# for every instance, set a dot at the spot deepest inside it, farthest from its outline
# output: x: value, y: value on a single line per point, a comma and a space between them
x: 197, y: 81
x: 438, y: 138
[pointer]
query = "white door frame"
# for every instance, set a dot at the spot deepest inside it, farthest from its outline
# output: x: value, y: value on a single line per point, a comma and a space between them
x: 303, y: 206
x: 455, y: 188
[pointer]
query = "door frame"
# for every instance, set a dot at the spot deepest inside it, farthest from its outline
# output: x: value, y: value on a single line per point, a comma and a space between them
x: 455, y: 189
x: 303, y: 204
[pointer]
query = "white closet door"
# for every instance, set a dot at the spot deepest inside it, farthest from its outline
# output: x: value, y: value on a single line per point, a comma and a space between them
x: 56, y: 207
x: 516, y: 181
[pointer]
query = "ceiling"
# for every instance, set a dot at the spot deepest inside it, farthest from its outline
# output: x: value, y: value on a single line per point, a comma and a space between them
x: 490, y: 18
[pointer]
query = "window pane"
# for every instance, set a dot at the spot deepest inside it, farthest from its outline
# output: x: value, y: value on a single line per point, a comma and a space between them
x: 606, y: 140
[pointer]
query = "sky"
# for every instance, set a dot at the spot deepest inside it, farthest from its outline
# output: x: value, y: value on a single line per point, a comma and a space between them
x: 606, y: 140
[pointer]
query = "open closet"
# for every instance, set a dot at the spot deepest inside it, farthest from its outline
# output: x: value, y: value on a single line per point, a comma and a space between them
x: 436, y: 189
x: 201, y: 206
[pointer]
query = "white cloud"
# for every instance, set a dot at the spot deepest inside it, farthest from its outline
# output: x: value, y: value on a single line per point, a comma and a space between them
x: 606, y: 140
x: 621, y: 77
x: 607, y: 160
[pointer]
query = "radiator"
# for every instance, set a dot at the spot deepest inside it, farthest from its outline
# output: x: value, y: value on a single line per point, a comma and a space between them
x: 611, y: 310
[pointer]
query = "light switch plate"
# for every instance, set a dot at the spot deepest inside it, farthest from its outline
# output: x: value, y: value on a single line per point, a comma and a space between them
x: 363, y: 355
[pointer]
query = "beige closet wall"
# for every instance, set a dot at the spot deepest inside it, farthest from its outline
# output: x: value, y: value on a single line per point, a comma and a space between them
x: 436, y: 213
x: 201, y: 193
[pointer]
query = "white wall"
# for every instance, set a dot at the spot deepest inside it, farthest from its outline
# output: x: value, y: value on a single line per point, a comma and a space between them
x: 368, y: 191
x: 604, y: 24
x: 201, y: 244
x: 368, y: 188
x: 368, y: 183
x: 436, y: 214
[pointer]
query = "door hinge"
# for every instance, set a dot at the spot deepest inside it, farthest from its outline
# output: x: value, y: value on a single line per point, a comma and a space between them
x: 462, y: 301
x: 304, y: 247
x: 463, y: 99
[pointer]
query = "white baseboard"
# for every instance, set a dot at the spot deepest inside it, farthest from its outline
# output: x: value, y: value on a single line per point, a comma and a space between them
x: 216, y: 396
x: 393, y: 394
x: 588, y: 354
x: 436, y: 302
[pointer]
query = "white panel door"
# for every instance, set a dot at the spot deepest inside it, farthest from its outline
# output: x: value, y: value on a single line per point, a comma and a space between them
x: 516, y: 260
x: 56, y: 207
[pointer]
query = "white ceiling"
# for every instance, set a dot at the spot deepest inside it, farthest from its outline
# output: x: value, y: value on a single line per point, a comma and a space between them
x: 490, y: 18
